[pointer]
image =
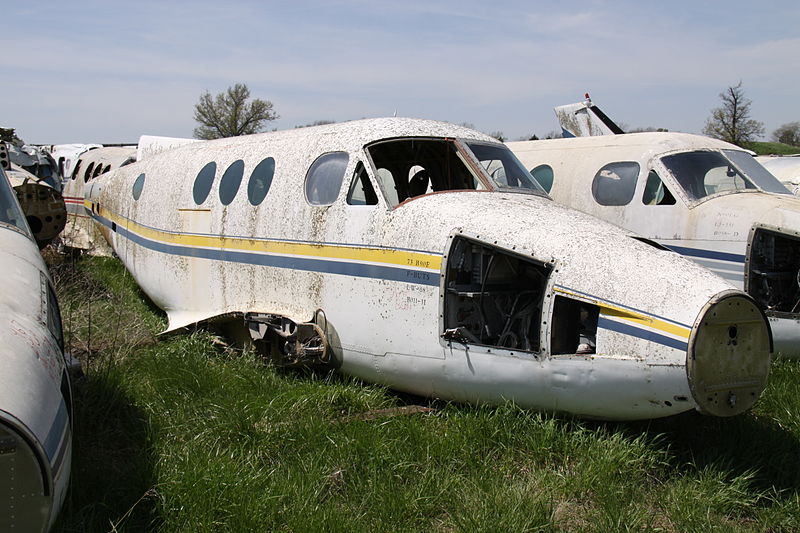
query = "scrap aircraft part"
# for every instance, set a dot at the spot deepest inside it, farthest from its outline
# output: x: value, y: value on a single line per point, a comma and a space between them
x: 35, y: 393
x: 42, y: 204
x: 38, y: 162
x: 424, y: 257
x: 44, y: 209
x: 724, y: 378
x: 287, y: 343
x: 584, y: 119
x: 706, y: 199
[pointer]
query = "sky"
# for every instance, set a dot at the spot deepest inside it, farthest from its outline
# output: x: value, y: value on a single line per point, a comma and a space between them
x: 109, y: 71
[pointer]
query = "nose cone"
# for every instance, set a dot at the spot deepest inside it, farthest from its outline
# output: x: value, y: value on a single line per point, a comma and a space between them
x: 729, y: 355
x: 24, y: 503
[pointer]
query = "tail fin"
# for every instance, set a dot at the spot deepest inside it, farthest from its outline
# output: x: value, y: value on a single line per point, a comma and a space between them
x: 584, y: 119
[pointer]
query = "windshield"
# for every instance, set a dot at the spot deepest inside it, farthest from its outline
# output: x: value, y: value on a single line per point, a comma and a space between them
x: 10, y: 212
x: 406, y: 168
x: 705, y: 173
x: 756, y: 172
x: 504, y: 168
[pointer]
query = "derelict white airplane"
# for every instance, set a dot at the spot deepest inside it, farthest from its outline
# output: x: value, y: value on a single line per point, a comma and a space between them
x: 385, y: 248
x: 80, y: 233
x: 703, y: 198
x: 35, y: 394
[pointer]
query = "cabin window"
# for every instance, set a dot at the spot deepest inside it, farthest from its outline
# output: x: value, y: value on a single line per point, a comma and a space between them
x: 411, y: 167
x: 54, y: 316
x: 260, y: 181
x: 574, y: 327
x: 361, y: 190
x: 138, y: 185
x: 88, y: 173
x: 203, y: 182
x: 493, y: 297
x: 544, y: 175
x: 76, y: 171
x: 655, y: 192
x: 324, y: 178
x: 615, y: 183
x: 230, y: 181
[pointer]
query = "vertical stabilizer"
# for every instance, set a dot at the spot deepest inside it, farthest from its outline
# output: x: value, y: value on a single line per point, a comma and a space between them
x: 584, y: 119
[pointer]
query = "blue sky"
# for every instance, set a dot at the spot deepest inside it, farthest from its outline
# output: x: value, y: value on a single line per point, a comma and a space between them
x: 110, y: 71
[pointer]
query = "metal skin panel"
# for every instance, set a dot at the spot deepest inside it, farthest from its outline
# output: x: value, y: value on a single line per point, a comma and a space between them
x: 712, y: 231
x: 80, y: 233
x: 373, y: 278
x: 33, y: 411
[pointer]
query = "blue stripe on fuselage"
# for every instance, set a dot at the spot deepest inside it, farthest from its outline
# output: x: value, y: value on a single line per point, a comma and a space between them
x: 639, y: 333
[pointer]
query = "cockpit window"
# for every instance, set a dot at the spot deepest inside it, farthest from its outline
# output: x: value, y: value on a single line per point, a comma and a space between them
x: 504, y: 168
x: 655, y: 192
x: 10, y: 212
x: 704, y: 173
x: 361, y: 190
x: 412, y: 167
x: 756, y: 172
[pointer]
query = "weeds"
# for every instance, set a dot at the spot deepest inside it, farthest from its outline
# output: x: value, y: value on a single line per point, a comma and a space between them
x: 182, y: 434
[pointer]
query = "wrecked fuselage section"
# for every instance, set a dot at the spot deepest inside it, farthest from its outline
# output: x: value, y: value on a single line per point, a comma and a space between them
x: 423, y: 256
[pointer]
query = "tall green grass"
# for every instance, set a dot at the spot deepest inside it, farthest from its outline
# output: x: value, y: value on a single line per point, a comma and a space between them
x: 184, y: 434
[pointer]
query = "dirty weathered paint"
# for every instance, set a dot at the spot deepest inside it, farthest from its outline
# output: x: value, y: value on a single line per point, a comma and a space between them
x: 35, y: 404
x: 381, y: 279
x: 714, y: 225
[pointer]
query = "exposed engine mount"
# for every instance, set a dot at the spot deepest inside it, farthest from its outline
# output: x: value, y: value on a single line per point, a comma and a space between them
x: 287, y: 343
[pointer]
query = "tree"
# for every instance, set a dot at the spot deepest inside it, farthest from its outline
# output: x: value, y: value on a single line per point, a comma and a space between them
x: 10, y: 136
x: 229, y: 114
x: 499, y: 135
x: 788, y: 134
x: 732, y: 122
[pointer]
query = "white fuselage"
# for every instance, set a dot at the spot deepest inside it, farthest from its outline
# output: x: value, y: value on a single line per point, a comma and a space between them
x: 35, y: 397
x: 714, y: 226
x: 388, y: 283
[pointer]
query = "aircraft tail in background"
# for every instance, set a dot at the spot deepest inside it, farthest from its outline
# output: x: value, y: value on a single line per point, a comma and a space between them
x: 584, y: 119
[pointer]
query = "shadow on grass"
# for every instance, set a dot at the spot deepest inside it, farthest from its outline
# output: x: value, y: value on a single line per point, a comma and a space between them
x: 739, y: 445
x: 112, y: 486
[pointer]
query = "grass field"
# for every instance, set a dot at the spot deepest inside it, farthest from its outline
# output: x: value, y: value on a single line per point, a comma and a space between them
x: 772, y: 148
x: 186, y: 434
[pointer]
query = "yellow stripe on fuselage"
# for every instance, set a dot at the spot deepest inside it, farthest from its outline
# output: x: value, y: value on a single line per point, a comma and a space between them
x: 322, y: 250
x: 628, y: 315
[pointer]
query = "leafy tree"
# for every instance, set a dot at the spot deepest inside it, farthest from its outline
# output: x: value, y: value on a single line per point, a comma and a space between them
x: 732, y: 122
x: 788, y: 134
x: 229, y: 114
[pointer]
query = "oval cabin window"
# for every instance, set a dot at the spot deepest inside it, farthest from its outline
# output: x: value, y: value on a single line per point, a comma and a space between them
x: 260, y: 181
x: 324, y: 178
x: 203, y: 182
x: 544, y: 175
x: 138, y: 185
x: 229, y: 184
